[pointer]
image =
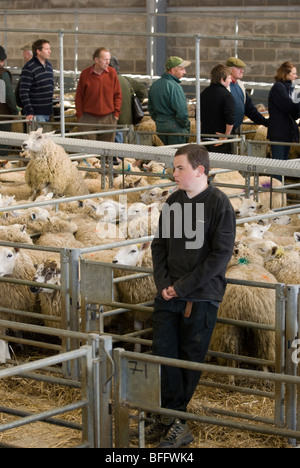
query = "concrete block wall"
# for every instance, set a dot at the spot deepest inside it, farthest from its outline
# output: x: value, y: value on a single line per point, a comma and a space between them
x: 262, y: 58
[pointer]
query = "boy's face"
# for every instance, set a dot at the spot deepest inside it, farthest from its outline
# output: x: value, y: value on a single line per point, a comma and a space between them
x: 185, y: 176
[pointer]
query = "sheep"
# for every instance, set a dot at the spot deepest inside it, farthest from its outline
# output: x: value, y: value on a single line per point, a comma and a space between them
x: 49, y: 271
x: 14, y: 263
x: 98, y: 233
x: 285, y: 266
x: 19, y: 191
x: 255, y: 231
x: 33, y: 218
x: 247, y: 304
x: 144, y: 223
x: 139, y: 290
x: 156, y: 194
x: 6, y: 200
x: 50, y: 169
x: 15, y: 233
x: 265, y: 248
x: 278, y: 219
x: 110, y: 211
x: 157, y: 168
x: 248, y: 208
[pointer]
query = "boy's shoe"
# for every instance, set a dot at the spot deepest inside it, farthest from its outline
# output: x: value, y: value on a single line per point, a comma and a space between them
x: 156, y: 429
x: 178, y: 435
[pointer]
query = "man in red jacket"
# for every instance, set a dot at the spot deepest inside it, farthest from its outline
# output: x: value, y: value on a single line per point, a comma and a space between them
x: 98, y: 96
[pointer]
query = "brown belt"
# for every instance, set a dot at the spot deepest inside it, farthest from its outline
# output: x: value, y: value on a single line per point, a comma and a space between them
x: 188, y: 309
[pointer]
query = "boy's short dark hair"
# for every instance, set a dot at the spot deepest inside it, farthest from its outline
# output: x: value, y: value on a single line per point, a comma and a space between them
x: 197, y: 156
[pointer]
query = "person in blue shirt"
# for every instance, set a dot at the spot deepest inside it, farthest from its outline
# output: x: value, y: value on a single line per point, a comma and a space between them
x: 243, y: 103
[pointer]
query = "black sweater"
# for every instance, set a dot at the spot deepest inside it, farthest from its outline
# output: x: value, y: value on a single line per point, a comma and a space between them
x: 196, y: 273
x: 283, y: 113
x: 217, y: 109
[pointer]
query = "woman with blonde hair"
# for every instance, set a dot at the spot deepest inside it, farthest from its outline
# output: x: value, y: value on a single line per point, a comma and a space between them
x: 284, y: 111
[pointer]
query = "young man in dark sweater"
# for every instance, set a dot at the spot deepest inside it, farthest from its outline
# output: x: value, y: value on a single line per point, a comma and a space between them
x: 190, y: 251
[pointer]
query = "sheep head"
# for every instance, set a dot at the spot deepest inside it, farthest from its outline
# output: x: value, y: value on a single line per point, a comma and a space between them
x: 36, y: 140
x: 47, y: 272
x: 8, y: 257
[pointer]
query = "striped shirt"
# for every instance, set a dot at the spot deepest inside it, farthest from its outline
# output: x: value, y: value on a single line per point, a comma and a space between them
x: 36, y: 87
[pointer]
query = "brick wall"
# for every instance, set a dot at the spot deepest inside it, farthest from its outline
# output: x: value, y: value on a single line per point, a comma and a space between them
x: 262, y: 58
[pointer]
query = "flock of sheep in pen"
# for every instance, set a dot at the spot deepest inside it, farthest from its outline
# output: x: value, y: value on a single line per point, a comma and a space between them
x: 268, y: 253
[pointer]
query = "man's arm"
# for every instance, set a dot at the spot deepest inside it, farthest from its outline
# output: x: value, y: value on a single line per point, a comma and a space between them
x: 252, y: 113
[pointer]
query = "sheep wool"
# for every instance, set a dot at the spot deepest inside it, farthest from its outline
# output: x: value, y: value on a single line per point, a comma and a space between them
x: 248, y: 304
x: 50, y: 168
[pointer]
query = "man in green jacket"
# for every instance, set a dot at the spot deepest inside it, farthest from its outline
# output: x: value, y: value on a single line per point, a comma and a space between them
x: 167, y: 103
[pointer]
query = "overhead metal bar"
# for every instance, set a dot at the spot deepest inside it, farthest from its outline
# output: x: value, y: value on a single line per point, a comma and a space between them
x: 165, y: 154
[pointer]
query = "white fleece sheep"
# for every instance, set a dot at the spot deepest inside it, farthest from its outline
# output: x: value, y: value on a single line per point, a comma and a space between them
x: 49, y: 272
x: 138, y: 290
x: 58, y: 231
x: 50, y: 168
x: 33, y: 218
x: 285, y: 265
x: 144, y: 223
x: 246, y: 304
x: 15, y: 263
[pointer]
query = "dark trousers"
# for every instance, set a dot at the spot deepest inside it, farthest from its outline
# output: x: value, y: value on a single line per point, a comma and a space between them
x: 172, y: 127
x: 177, y: 337
x: 281, y: 153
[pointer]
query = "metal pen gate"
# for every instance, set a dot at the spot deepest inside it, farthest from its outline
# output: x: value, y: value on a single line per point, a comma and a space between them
x: 137, y: 378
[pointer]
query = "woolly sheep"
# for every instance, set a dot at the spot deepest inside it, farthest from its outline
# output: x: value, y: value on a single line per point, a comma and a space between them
x: 285, y: 265
x: 278, y: 219
x: 33, y: 218
x: 17, y: 233
x: 15, y: 263
x: 156, y: 194
x: 255, y: 231
x: 247, y: 304
x: 143, y: 224
x: 59, y: 231
x: 265, y: 248
x: 6, y: 200
x: 19, y: 191
x: 48, y: 272
x: 139, y: 290
x: 110, y: 210
x: 97, y: 233
x: 50, y: 169
x: 247, y: 208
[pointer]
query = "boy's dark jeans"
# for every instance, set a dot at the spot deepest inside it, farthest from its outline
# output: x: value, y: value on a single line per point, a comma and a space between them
x: 177, y: 337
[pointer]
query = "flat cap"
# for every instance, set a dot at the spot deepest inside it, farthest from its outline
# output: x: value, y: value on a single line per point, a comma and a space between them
x: 173, y: 62
x: 27, y: 46
x: 235, y: 62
